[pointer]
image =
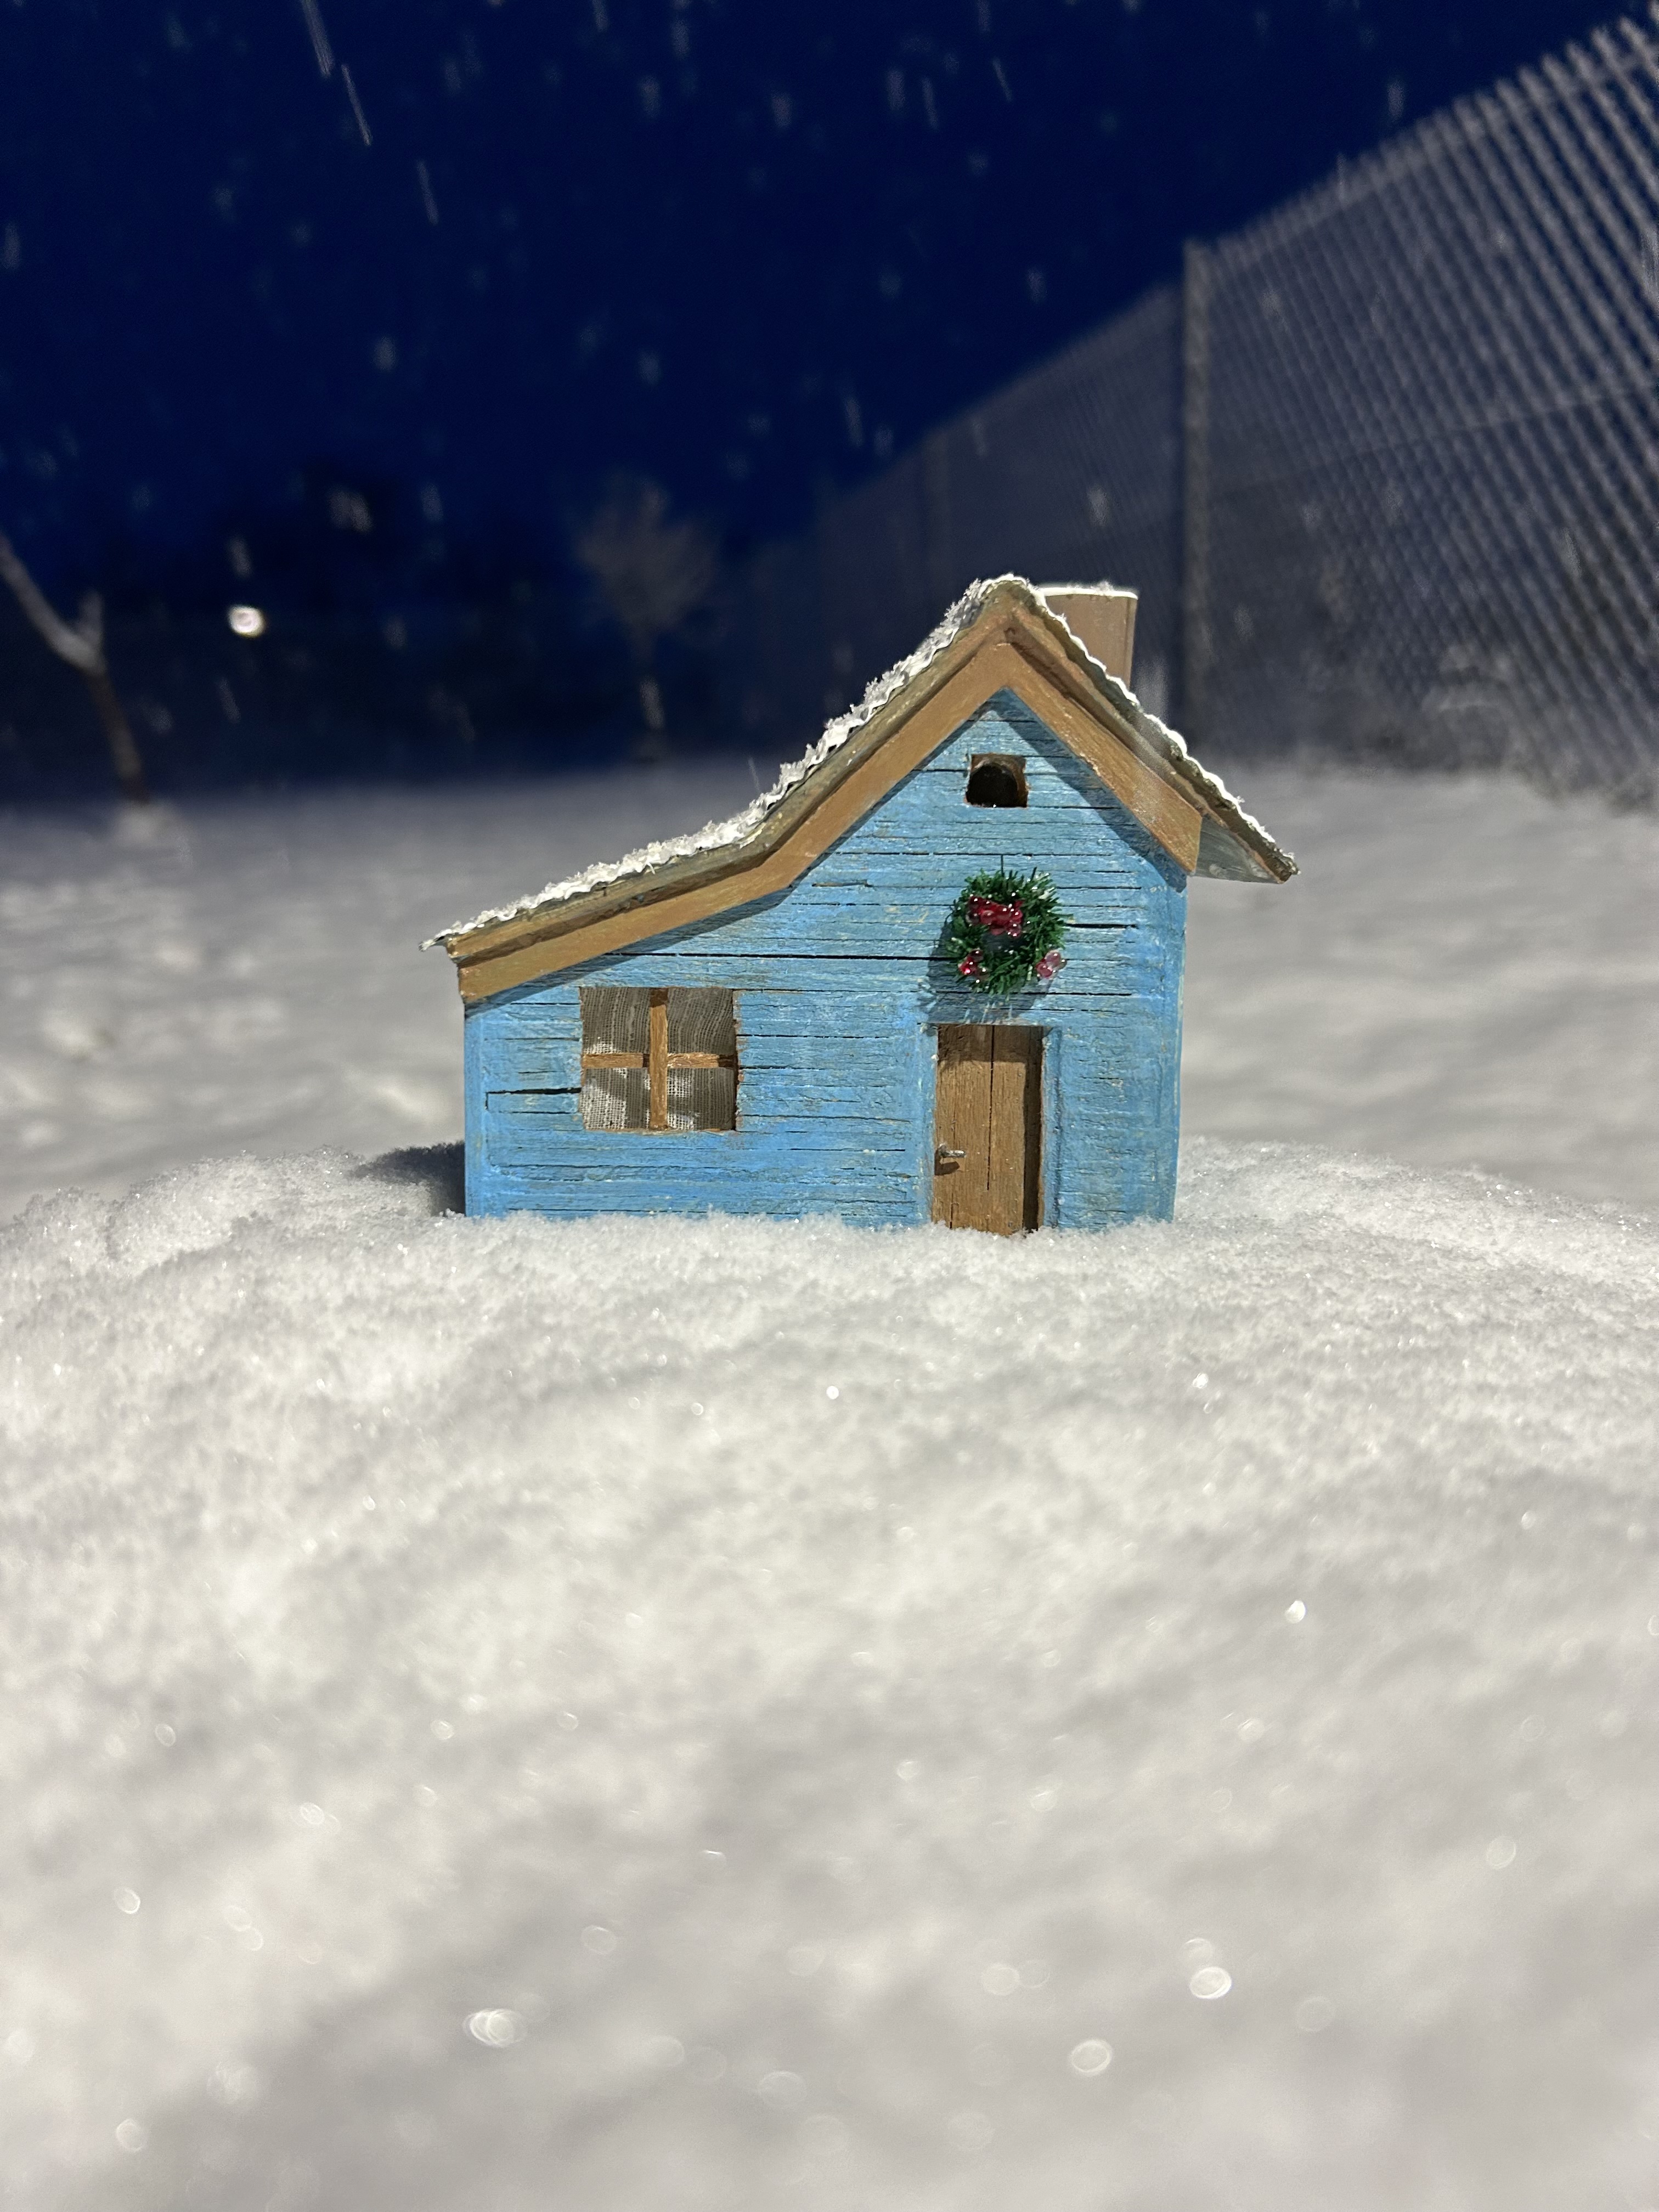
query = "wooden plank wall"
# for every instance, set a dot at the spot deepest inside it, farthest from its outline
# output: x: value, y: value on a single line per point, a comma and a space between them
x: 839, y: 994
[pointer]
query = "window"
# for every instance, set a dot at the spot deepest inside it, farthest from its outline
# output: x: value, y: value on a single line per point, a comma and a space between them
x: 659, y: 1060
x: 996, y: 780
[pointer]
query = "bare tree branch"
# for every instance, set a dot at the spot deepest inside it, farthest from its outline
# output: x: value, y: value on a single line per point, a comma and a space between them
x: 652, y: 572
x: 80, y: 643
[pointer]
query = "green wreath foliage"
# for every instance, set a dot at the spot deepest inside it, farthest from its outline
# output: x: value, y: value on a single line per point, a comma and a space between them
x: 1004, y: 931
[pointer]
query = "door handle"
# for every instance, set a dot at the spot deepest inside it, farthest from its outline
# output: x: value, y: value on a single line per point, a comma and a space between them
x: 944, y: 1155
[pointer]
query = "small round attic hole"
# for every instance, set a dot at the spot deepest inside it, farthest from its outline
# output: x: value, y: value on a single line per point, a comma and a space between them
x: 996, y: 780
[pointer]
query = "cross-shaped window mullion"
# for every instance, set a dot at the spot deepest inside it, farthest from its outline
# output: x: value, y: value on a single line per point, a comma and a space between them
x: 656, y: 1062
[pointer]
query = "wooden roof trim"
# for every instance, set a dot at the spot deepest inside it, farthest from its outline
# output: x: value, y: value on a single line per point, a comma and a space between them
x: 1071, y: 689
x: 1162, y: 809
x: 1233, y: 843
x: 995, y: 655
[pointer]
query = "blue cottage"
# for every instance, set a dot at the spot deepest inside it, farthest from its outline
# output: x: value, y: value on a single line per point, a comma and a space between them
x: 765, y: 1017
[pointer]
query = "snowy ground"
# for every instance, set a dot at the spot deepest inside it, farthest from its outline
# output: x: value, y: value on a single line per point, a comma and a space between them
x: 637, y: 1717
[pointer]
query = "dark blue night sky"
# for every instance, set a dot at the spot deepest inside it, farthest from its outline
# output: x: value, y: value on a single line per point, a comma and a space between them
x: 750, y: 250
x: 743, y: 247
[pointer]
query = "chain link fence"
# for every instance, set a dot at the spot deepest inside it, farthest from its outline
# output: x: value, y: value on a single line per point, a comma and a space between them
x: 1384, y: 467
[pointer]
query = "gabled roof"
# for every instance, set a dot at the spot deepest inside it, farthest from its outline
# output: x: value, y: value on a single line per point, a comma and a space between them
x: 1000, y: 635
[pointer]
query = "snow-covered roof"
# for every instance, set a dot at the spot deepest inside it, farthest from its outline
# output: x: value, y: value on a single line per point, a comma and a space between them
x: 1258, y: 855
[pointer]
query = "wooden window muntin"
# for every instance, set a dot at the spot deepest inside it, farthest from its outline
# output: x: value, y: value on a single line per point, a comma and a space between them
x: 658, y: 1061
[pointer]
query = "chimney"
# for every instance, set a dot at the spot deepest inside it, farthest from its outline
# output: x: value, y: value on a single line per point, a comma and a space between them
x: 1100, y: 618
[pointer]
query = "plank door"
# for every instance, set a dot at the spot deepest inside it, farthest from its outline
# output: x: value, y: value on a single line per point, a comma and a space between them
x: 987, y: 1127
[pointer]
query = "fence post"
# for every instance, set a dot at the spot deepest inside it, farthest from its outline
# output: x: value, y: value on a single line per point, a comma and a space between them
x: 1194, y: 489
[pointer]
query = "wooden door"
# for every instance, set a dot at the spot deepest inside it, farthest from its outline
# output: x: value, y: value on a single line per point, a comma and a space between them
x: 987, y: 1127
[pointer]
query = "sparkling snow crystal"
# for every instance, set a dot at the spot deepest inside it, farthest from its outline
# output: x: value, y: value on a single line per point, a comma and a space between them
x: 673, y: 1713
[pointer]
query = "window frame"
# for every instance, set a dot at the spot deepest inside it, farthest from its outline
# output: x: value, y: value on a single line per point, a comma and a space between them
x: 657, y: 1060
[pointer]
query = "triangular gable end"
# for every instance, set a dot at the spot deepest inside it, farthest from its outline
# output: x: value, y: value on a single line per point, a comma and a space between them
x: 1009, y: 641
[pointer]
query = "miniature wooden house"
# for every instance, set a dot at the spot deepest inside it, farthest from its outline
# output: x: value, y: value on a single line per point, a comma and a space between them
x: 763, y: 1019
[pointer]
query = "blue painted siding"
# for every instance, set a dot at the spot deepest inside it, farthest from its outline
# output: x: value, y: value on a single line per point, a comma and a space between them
x: 839, y: 993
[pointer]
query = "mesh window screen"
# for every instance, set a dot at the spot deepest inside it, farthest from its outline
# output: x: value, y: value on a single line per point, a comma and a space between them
x: 702, y: 1097
x: 615, y: 1020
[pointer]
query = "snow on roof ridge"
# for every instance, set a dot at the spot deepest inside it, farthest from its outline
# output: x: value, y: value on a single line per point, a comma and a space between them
x: 737, y: 827
x: 1180, y: 755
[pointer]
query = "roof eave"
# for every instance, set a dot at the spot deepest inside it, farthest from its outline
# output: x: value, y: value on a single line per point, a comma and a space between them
x: 1229, y: 843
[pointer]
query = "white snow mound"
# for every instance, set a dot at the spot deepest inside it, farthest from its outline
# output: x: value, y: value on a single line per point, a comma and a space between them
x: 674, y: 1714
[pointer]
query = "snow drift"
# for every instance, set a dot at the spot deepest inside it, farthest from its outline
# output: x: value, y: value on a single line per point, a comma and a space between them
x: 684, y: 1714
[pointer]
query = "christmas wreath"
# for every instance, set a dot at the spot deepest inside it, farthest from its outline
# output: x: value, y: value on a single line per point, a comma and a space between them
x: 1004, y: 931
